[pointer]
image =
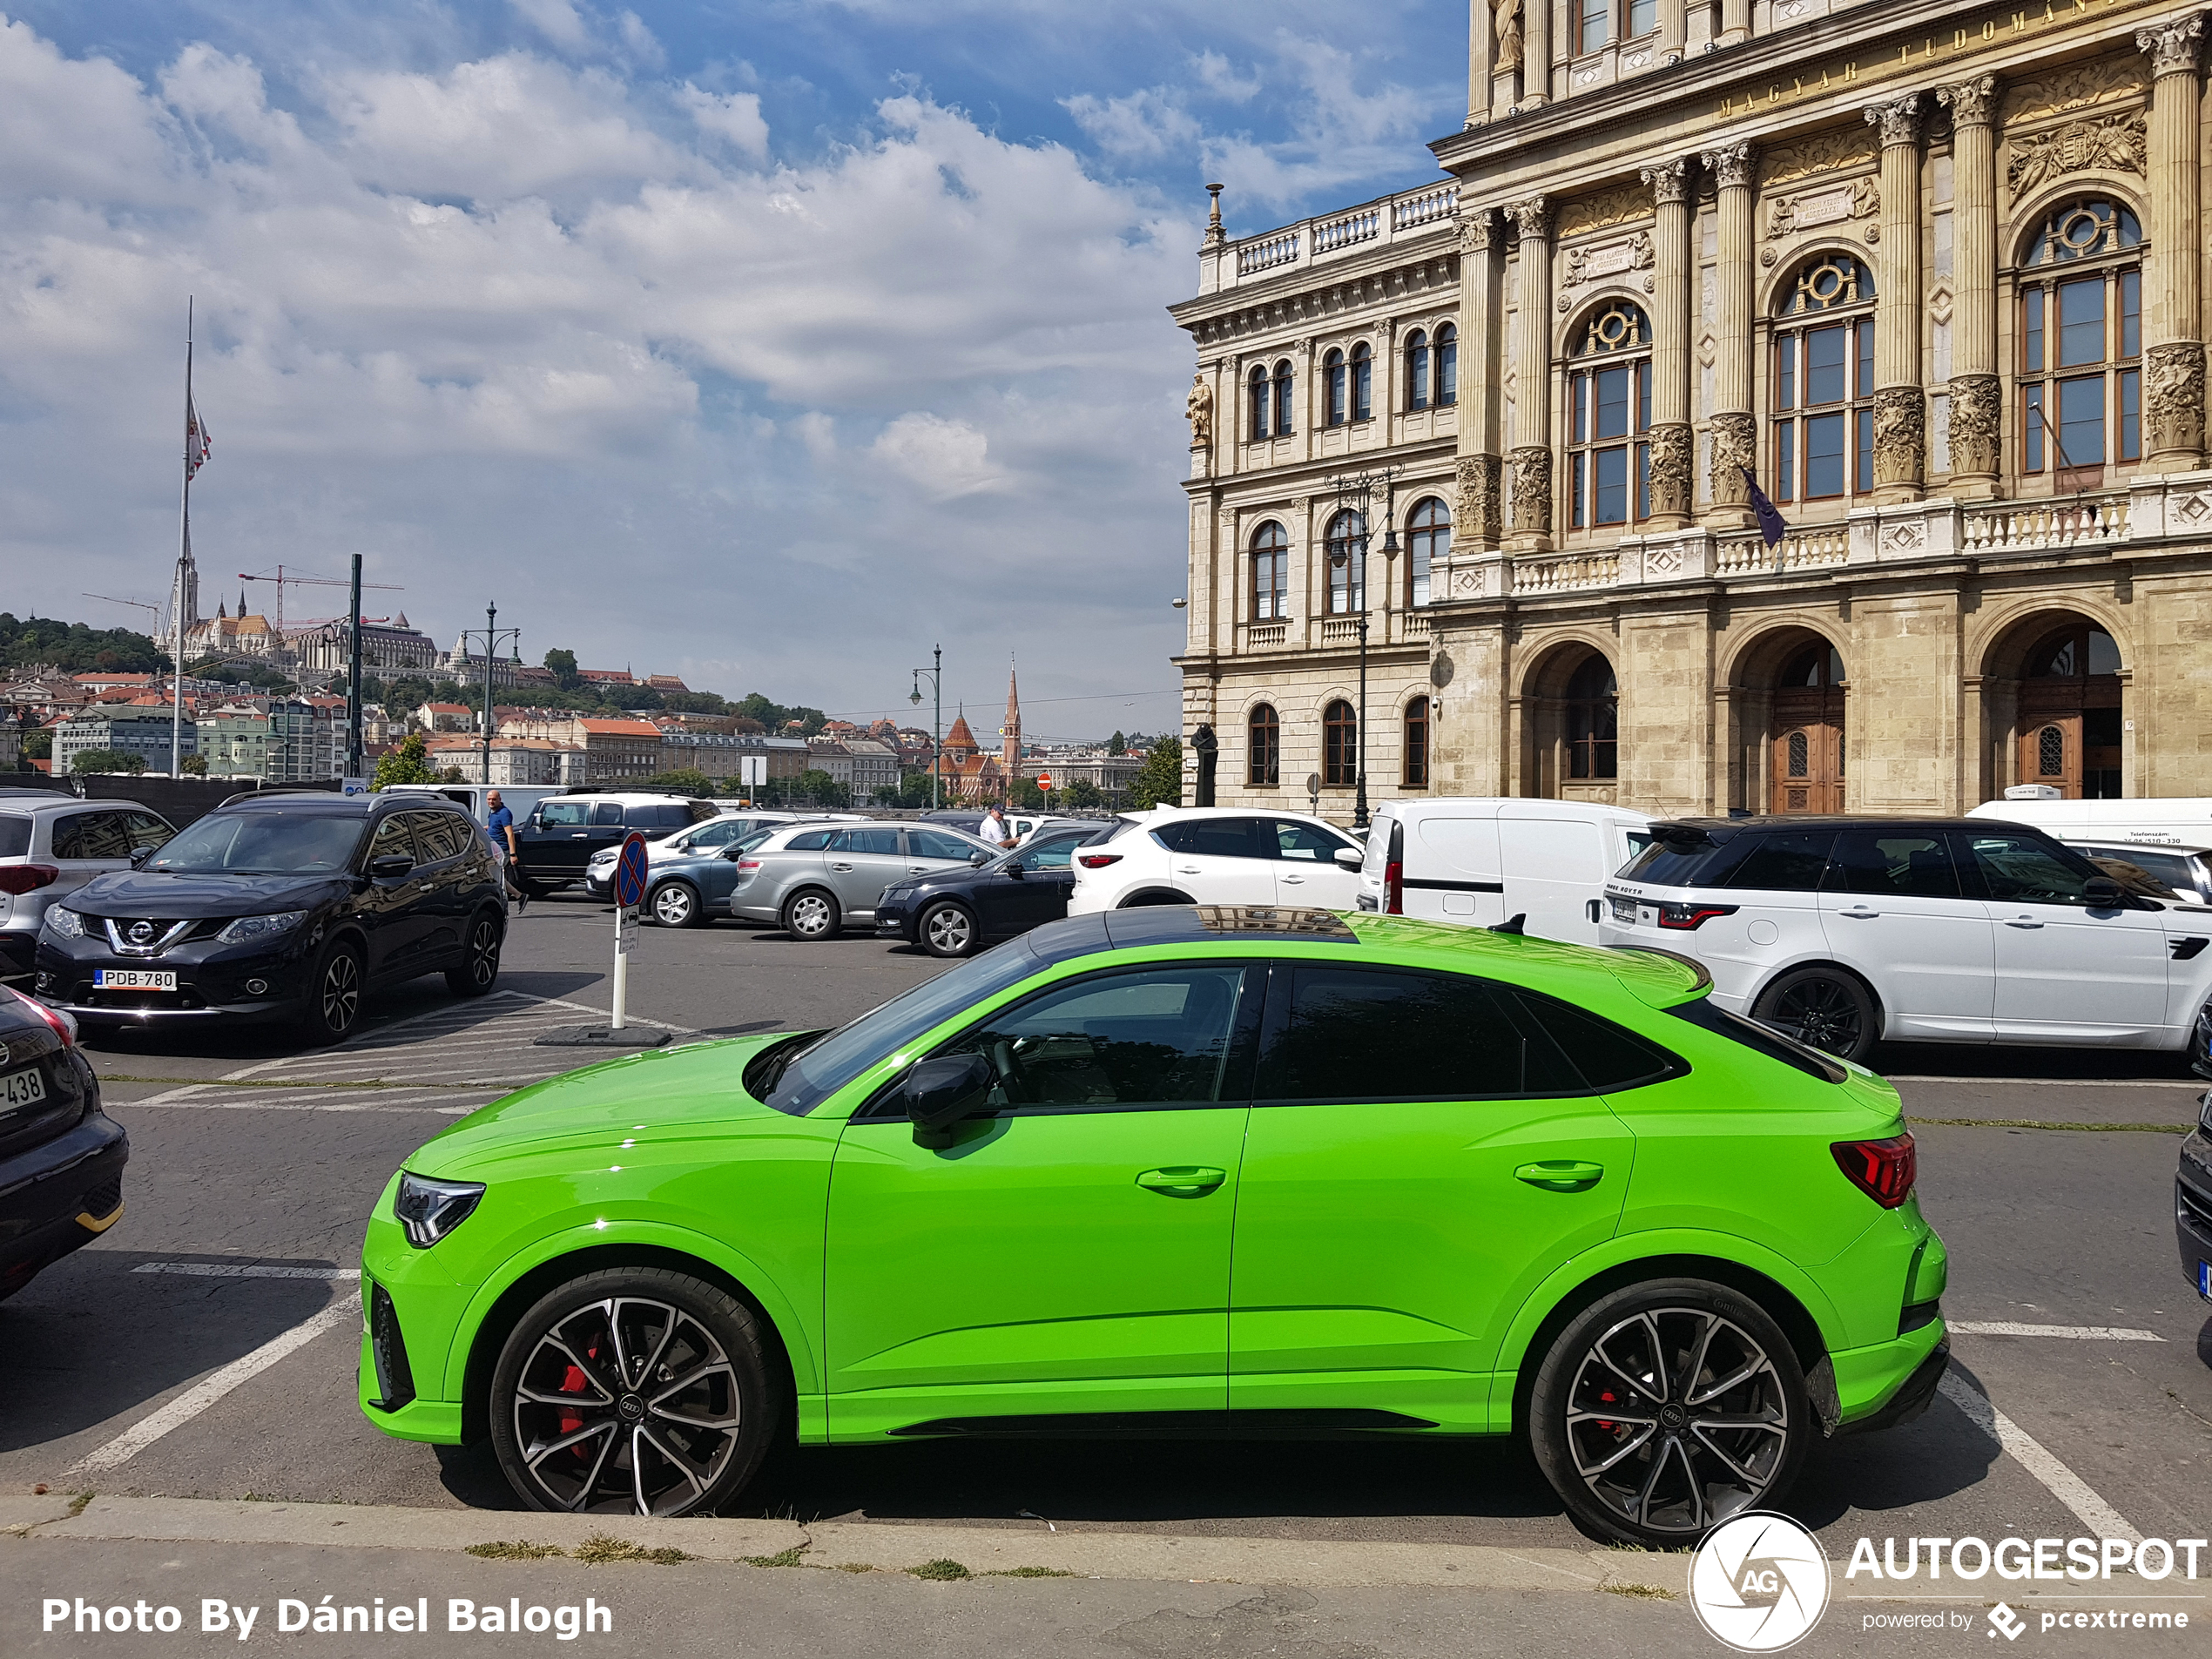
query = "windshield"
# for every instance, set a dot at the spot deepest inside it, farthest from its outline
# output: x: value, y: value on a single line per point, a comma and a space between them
x: 802, y: 1078
x: 261, y: 843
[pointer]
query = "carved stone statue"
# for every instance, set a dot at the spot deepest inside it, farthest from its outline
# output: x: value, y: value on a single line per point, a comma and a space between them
x: 2173, y: 397
x: 1507, y: 14
x: 1198, y: 408
x: 1900, y: 434
x: 1975, y: 401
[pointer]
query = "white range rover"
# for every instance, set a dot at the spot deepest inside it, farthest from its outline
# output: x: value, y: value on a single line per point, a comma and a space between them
x: 1844, y: 931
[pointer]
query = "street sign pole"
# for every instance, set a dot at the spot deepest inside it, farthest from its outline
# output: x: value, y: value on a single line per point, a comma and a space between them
x: 630, y: 890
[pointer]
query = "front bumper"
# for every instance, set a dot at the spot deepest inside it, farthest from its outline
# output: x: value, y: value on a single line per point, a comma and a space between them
x: 2193, y: 1209
x: 600, y: 884
x: 18, y: 949
x: 215, y: 981
x: 61, y: 1195
x: 896, y: 919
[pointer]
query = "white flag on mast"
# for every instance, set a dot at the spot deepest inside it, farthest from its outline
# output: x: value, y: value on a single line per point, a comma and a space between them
x: 197, y: 444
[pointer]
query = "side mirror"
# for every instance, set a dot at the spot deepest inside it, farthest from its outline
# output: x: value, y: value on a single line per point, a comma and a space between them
x: 940, y: 1092
x: 731, y: 853
x: 392, y: 864
x: 139, y: 855
x: 1013, y: 868
x: 979, y: 858
x: 2105, y: 893
x: 1350, y: 857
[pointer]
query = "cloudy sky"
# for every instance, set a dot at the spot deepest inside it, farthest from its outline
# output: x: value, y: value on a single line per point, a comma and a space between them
x: 768, y: 342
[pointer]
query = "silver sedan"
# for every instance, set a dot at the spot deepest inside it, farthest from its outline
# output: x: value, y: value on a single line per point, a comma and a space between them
x: 813, y: 880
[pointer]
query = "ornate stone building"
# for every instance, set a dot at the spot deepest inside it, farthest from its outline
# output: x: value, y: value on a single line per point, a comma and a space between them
x: 1928, y: 276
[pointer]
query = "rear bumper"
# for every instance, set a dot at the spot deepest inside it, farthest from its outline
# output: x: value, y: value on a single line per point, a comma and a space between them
x: 1888, y: 1383
x: 57, y: 1197
x: 1912, y: 1398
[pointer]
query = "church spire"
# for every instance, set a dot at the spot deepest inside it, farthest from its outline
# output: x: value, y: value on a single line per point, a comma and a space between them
x: 1010, y: 753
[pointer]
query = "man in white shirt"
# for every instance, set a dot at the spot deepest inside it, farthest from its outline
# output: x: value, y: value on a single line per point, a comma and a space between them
x: 995, y: 828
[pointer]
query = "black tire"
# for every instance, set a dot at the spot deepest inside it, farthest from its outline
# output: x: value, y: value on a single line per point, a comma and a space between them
x: 948, y: 929
x: 478, y: 969
x: 1828, y: 1008
x: 688, y: 1448
x: 334, y: 995
x: 675, y: 904
x: 810, y: 914
x: 1651, y: 1475
x: 1154, y: 896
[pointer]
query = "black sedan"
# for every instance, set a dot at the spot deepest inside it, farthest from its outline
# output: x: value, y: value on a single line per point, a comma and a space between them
x: 954, y: 912
x: 61, y: 1156
x: 281, y: 907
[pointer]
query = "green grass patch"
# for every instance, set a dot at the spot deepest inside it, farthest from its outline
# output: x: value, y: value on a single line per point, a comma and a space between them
x: 76, y: 1504
x: 1027, y: 1572
x: 781, y: 1558
x: 940, y: 1569
x: 519, y: 1550
x: 602, y: 1548
x: 2039, y: 1123
x: 1641, y: 1592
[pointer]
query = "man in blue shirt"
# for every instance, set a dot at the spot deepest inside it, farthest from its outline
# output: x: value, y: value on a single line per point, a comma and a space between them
x: 499, y: 824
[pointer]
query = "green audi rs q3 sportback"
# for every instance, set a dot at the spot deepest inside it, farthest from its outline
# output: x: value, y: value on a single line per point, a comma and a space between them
x: 1173, y: 1172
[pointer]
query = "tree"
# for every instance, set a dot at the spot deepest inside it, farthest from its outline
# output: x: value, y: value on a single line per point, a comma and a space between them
x: 38, y: 745
x: 1159, y: 783
x: 1026, y: 795
x: 688, y: 780
x: 409, y: 764
x: 1118, y: 744
x: 107, y: 760
x: 1083, y: 792
x: 913, y: 789
x: 563, y: 663
x: 451, y: 775
x: 76, y: 649
x: 886, y: 795
x: 195, y: 765
x: 817, y: 788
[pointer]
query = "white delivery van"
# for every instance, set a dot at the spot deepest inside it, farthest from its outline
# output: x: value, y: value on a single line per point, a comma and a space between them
x: 1480, y: 860
x: 2176, y: 821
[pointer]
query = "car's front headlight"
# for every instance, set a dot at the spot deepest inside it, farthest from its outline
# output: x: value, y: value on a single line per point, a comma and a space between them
x: 64, y: 922
x: 251, y: 927
x: 429, y: 1209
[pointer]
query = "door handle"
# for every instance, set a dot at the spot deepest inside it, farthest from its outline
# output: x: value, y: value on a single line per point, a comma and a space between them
x: 1188, y: 869
x: 581, y: 835
x: 841, y: 867
x: 1185, y: 1181
x: 1591, y: 908
x: 917, y: 869
x: 2021, y: 922
x: 1292, y: 881
x: 1561, y: 1175
x: 1860, y: 912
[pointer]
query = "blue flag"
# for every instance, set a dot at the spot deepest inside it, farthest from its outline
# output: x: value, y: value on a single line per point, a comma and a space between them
x: 1772, y: 528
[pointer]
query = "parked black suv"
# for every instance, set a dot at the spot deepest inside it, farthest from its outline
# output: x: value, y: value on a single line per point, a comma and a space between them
x: 61, y: 1156
x: 281, y: 907
x: 556, y: 842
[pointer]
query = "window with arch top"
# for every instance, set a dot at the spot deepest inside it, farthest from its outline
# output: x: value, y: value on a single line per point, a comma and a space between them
x: 1264, y: 748
x: 1350, y: 383
x: 1428, y: 544
x: 1594, y: 721
x: 1609, y: 412
x: 1414, y: 773
x: 1824, y: 381
x: 1285, y: 403
x: 1417, y: 369
x: 2082, y: 346
x: 1339, y: 746
x: 1270, y: 572
x: 1262, y: 401
x: 1335, y: 390
x: 1432, y: 368
x: 1346, y: 547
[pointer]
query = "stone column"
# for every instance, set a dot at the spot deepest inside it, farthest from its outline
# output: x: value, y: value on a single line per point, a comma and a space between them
x: 1536, y: 53
x: 1674, y: 30
x: 1673, y: 473
x: 1736, y: 22
x: 2174, y: 341
x: 1478, y: 515
x: 1900, y: 401
x: 1532, y: 373
x: 1735, y: 429
x: 1481, y: 57
x: 1976, y: 393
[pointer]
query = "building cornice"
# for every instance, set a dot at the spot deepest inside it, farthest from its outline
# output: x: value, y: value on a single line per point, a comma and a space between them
x: 1309, y: 478
x: 1307, y: 295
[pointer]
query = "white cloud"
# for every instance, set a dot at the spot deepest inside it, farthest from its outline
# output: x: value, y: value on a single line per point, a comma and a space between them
x: 733, y: 116
x: 1144, y: 124
x: 948, y: 459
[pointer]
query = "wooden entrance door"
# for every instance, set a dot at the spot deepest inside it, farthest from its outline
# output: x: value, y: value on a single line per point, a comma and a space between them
x: 2069, y: 716
x: 1807, y: 763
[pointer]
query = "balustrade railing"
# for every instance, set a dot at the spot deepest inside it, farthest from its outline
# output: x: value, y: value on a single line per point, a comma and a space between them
x: 1362, y: 226
x: 1267, y: 252
x: 2022, y: 527
x: 1567, y: 573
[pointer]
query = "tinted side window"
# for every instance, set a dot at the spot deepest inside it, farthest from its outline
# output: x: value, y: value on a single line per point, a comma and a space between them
x: 1784, y: 861
x: 92, y: 835
x: 879, y: 841
x: 1221, y: 838
x: 929, y: 844
x: 809, y: 841
x: 1354, y: 1034
x: 2024, y: 869
x: 393, y: 841
x: 1303, y: 841
x: 1692, y: 864
x: 673, y: 814
x: 1608, y: 1058
x: 438, y: 835
x: 1894, y: 862
x: 146, y: 830
x: 1053, y: 855
x: 607, y: 812
x: 15, y: 836
x: 564, y: 814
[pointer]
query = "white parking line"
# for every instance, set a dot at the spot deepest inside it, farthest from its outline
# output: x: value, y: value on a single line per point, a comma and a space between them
x: 240, y: 1269
x: 2078, y: 1332
x: 197, y: 1398
x: 2062, y: 1483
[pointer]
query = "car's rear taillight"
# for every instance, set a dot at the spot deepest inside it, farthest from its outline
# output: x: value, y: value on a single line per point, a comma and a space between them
x: 1097, y: 861
x: 27, y: 877
x: 63, y: 1026
x: 1393, y: 889
x: 1688, y: 918
x: 748, y: 864
x: 1884, y: 1171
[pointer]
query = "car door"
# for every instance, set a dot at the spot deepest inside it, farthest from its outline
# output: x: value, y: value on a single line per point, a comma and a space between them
x: 1024, y: 891
x: 557, y: 843
x: 391, y: 909
x: 88, y: 844
x: 2064, y: 973
x: 1893, y: 908
x: 1306, y: 871
x: 441, y: 842
x: 1420, y: 1156
x: 861, y: 863
x: 1221, y: 860
x: 1070, y: 1253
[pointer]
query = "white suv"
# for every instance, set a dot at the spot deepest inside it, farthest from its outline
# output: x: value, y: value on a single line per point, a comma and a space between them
x: 1216, y: 855
x: 1844, y: 931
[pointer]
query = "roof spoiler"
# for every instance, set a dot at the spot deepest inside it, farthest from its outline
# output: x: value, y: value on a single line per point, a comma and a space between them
x: 1683, y: 833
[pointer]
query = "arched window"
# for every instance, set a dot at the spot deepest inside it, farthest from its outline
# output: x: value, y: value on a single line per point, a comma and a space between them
x: 1593, y: 721
x: 1264, y: 749
x: 1415, y: 772
x: 1334, y: 396
x: 2075, y: 654
x: 1347, y: 546
x: 1260, y: 403
x: 1428, y: 544
x: 2081, y: 342
x: 1417, y: 370
x: 1270, y: 572
x: 1285, y: 404
x: 1447, y: 366
x: 1339, y: 746
x: 1609, y: 393
x: 1363, y: 381
x: 1824, y: 382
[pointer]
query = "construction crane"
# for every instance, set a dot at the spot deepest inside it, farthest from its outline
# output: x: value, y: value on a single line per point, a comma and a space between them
x: 283, y: 580
x: 158, y: 610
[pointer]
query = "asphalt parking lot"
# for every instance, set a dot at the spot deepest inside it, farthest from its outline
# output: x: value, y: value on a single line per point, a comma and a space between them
x: 2080, y: 1393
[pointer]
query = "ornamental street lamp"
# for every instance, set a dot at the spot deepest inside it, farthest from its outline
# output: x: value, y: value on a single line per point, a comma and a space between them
x: 1355, y: 496
x: 936, y: 673
x: 491, y: 634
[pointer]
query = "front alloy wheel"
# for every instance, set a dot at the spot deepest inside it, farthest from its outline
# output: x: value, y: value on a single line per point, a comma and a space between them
x: 1665, y: 1409
x: 634, y: 1391
x: 949, y: 930
x: 334, y: 1000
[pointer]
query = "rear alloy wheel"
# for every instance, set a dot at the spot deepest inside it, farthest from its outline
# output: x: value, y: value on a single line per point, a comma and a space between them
x: 1824, y: 1009
x: 334, y: 998
x: 811, y: 914
x: 1662, y: 1409
x: 634, y: 1391
x: 478, y: 969
x: 948, y: 930
x: 674, y: 905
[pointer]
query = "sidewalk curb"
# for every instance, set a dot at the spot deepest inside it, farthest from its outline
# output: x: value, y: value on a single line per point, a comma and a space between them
x: 882, y: 1546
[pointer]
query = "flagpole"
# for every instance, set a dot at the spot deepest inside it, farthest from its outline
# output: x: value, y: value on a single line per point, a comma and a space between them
x: 183, y: 557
